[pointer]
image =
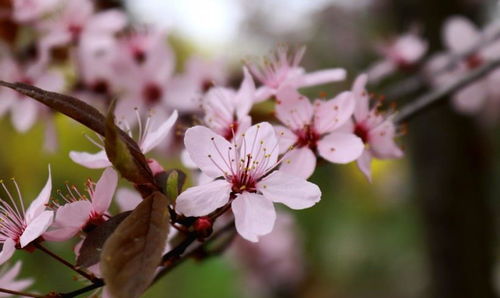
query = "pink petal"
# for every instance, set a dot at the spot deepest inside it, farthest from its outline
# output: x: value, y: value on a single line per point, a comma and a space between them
x: 364, y: 164
x: 382, y: 143
x: 208, y: 150
x: 36, y: 228
x: 127, y: 199
x: 246, y: 94
x: 107, y: 22
x: 259, y: 140
x: 104, y: 191
x: 37, y: 206
x: 203, y: 199
x: 293, y: 109
x: 286, y: 138
x: 7, y: 280
x: 331, y: 114
x: 8, y: 249
x: 460, y: 34
x: 299, y: 162
x: 471, y: 99
x: 254, y: 215
x: 263, y: 93
x: 339, y: 147
x: 322, y: 77
x: 97, y: 160
x: 380, y: 70
x: 74, y: 214
x: 154, y: 138
x: 24, y: 114
x: 61, y: 234
x: 362, y: 108
x: 293, y: 191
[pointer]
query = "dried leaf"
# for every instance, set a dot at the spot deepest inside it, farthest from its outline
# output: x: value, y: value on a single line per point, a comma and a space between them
x: 133, y: 252
x: 90, y: 252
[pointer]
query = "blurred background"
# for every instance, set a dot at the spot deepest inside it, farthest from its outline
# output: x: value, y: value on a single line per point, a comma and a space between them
x: 425, y: 227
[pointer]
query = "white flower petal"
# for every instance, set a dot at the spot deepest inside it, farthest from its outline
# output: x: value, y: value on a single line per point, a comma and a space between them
x: 203, y: 199
x: 254, y: 215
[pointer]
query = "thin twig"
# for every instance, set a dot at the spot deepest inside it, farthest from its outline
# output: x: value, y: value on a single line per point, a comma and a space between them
x: 427, y: 100
x: 7, y: 291
x: 94, y: 286
x: 90, y: 277
x: 413, y: 83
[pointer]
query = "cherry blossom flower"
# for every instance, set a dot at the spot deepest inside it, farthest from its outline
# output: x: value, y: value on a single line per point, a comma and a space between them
x: 20, y: 227
x: 24, y: 111
x: 149, y: 138
x: 226, y: 111
x: 282, y: 68
x: 78, y: 23
x: 399, y: 54
x: 375, y: 129
x: 187, y: 88
x: 314, y: 130
x: 81, y: 212
x: 481, y: 96
x: 8, y: 279
x: 250, y: 182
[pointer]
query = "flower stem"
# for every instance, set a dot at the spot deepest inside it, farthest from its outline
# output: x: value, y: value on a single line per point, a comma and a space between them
x: 90, y: 277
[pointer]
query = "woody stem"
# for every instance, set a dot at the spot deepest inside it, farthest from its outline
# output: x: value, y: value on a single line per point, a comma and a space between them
x: 66, y: 263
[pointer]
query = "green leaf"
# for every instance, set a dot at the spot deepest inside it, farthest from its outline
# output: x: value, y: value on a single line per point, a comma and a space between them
x: 132, y: 165
x: 90, y: 252
x: 172, y: 182
x: 133, y: 252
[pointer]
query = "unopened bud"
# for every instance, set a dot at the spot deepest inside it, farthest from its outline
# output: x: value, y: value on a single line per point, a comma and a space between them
x: 203, y: 227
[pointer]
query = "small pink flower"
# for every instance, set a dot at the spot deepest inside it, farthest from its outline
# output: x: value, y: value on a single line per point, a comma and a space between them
x: 376, y: 130
x: 24, y: 111
x: 313, y: 130
x: 18, y: 227
x: 460, y: 35
x: 77, y: 22
x: 282, y: 68
x: 81, y: 212
x: 149, y: 138
x: 226, y: 111
x: 7, y: 279
x: 399, y: 54
x: 250, y: 182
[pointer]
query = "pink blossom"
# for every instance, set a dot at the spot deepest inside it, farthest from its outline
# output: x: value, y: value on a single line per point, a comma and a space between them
x: 375, y: 129
x: 400, y: 53
x: 314, y: 130
x: 250, y: 182
x: 24, y: 111
x: 226, y: 111
x: 282, y: 68
x: 20, y: 227
x: 81, y: 212
x: 185, y: 89
x: 77, y: 22
x: 481, y: 96
x: 149, y: 138
x: 8, y: 279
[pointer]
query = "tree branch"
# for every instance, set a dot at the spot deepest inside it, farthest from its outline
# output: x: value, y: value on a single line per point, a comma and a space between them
x: 435, y: 96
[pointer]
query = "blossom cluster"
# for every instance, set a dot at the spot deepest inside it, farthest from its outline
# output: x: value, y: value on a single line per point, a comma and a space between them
x: 243, y: 167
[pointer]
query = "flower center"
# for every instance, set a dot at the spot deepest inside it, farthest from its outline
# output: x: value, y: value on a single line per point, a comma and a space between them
x: 231, y: 130
x: 361, y: 131
x: 152, y: 93
x: 473, y: 61
x: 307, y: 137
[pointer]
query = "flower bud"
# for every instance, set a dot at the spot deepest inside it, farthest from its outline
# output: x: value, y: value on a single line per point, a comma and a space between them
x: 203, y: 227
